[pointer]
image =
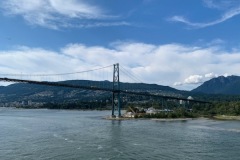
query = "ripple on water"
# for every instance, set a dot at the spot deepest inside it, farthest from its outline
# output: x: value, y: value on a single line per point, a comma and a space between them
x: 73, y: 135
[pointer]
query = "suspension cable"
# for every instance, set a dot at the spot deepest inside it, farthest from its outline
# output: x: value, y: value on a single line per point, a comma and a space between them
x: 58, y: 74
x: 131, y: 75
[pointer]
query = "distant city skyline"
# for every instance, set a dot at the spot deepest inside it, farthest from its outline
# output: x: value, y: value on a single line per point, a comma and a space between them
x: 176, y: 43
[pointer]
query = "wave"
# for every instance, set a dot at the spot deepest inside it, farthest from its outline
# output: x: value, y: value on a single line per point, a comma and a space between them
x: 218, y: 128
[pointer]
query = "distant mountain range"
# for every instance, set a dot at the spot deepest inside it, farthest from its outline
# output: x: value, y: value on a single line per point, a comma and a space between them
x: 221, y: 85
x: 229, y: 87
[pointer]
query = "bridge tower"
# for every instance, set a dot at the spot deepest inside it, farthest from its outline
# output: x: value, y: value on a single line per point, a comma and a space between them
x: 116, y: 99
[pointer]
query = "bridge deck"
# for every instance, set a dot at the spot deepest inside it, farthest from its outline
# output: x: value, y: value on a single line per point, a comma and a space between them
x: 57, y: 84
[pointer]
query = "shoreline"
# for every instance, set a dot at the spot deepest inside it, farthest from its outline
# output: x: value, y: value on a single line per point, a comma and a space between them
x: 226, y: 117
x: 217, y: 117
x: 153, y: 119
x: 172, y: 119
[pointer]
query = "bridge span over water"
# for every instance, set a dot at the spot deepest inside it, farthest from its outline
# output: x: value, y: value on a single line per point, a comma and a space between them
x: 115, y: 90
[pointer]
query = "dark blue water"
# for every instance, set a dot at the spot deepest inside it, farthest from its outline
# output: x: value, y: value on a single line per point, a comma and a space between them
x: 61, y: 134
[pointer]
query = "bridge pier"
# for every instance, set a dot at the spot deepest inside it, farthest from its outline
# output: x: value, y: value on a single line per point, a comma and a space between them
x: 116, y: 99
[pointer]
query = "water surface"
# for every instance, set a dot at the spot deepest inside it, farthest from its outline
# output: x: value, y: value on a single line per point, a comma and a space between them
x: 61, y: 134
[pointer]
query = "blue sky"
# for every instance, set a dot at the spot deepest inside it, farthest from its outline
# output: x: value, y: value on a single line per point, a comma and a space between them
x: 176, y: 43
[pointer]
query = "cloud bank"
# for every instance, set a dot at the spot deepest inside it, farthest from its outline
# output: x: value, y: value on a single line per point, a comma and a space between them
x: 55, y: 14
x: 167, y: 64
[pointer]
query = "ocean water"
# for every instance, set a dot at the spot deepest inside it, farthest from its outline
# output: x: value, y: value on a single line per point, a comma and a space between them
x: 62, y: 134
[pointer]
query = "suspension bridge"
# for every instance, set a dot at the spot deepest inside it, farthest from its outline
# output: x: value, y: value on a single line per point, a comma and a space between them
x: 115, y: 89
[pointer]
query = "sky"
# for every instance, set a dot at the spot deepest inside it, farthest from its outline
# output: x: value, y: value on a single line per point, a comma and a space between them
x: 175, y: 43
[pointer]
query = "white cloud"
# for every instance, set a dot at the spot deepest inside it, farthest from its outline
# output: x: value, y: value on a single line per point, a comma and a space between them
x: 220, y: 4
x: 231, y: 11
x: 198, y: 79
x: 194, y: 79
x: 178, y: 83
x: 169, y: 64
x: 57, y: 14
x: 210, y: 75
x: 225, y: 74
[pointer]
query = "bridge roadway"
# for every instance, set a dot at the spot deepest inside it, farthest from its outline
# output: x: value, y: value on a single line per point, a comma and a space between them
x: 98, y: 89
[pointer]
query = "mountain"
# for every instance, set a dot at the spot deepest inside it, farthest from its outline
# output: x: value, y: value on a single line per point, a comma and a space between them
x: 20, y: 92
x: 220, y: 85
